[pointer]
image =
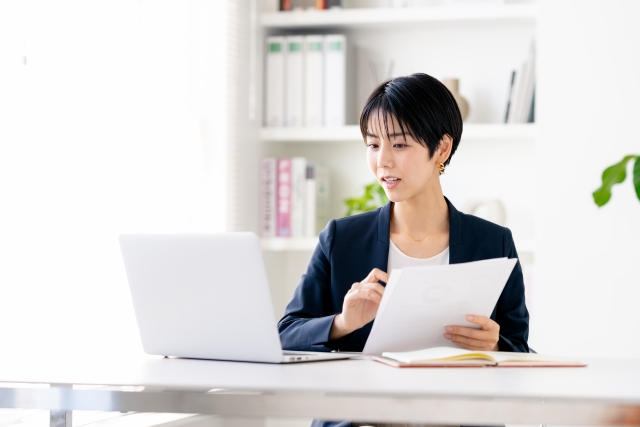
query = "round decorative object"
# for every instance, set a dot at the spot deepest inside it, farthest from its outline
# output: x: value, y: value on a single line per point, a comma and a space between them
x: 490, y: 209
x: 463, y: 105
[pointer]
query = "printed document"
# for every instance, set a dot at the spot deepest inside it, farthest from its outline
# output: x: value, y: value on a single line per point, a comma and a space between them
x: 418, y: 303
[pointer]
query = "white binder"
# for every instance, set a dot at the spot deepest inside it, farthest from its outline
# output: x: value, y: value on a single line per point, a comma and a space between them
x: 313, y: 81
x: 335, y: 63
x: 274, y: 116
x: 294, y: 81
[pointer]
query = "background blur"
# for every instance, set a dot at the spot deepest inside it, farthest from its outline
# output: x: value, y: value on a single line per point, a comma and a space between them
x: 147, y: 116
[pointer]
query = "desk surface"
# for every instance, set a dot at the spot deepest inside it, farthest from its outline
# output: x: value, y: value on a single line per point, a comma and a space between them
x: 336, y: 389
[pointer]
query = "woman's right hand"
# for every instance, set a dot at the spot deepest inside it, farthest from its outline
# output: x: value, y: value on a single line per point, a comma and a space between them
x: 360, y: 305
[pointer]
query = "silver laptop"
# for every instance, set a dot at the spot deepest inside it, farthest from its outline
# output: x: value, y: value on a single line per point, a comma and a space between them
x: 205, y: 296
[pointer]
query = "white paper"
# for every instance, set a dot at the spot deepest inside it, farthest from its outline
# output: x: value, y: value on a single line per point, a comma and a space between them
x: 419, y: 302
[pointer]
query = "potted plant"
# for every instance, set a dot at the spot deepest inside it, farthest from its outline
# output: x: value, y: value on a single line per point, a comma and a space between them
x: 374, y: 197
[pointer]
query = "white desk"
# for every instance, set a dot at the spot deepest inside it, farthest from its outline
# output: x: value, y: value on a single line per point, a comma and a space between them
x: 605, y: 393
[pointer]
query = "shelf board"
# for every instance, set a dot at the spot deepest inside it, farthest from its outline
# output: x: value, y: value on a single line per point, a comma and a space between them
x: 399, y: 16
x: 351, y: 133
x: 281, y: 244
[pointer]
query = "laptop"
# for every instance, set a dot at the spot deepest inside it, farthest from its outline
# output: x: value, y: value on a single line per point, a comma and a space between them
x: 205, y: 296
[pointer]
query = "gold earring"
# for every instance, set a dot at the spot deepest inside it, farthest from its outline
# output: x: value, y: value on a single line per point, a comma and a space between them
x: 441, y: 168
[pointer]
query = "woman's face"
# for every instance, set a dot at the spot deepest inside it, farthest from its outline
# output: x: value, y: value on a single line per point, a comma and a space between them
x: 401, y: 164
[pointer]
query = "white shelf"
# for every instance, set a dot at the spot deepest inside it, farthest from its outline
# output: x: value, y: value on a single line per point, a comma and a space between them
x: 281, y: 244
x: 352, y: 133
x: 398, y: 16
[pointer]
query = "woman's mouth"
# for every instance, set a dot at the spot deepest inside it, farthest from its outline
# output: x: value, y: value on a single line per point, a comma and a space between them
x: 390, y: 182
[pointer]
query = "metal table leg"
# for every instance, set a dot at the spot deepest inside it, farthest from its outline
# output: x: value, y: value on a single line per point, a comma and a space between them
x: 60, y: 418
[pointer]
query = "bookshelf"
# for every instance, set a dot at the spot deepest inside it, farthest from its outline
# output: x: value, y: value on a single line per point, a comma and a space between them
x: 472, y: 132
x: 398, y: 17
x: 480, y: 45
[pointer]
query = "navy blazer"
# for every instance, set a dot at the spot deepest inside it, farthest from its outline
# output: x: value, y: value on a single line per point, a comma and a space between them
x: 349, y: 248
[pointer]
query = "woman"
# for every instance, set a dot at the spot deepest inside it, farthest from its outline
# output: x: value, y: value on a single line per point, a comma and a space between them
x: 412, y: 127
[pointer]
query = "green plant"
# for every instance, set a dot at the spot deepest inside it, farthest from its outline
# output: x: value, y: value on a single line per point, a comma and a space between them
x: 615, y: 174
x: 374, y: 197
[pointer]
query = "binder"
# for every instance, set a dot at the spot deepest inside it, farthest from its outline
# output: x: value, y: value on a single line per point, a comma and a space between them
x: 335, y: 63
x: 313, y: 80
x: 294, y: 81
x: 275, y: 81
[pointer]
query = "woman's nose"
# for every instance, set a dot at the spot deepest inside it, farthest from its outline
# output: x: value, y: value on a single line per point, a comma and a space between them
x: 385, y: 160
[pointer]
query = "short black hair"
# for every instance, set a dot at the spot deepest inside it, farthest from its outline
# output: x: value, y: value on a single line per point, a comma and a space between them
x: 424, y: 108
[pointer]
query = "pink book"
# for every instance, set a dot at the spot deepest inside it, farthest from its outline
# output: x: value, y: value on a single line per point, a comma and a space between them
x: 284, y: 197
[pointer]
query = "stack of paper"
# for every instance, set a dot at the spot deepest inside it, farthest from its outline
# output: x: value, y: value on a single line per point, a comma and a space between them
x: 419, y: 302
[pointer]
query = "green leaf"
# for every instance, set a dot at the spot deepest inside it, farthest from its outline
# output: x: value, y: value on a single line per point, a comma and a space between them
x: 612, y: 175
x: 373, y: 198
x: 636, y: 176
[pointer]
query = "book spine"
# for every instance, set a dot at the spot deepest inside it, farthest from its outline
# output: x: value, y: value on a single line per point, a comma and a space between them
x: 284, y: 197
x: 298, y: 4
x: 298, y: 187
x: 313, y: 81
x: 516, y: 99
x: 310, y: 203
x: 294, y: 90
x: 268, y: 190
x: 275, y: 81
x: 532, y: 109
x: 506, y: 116
x: 335, y: 79
x: 322, y: 197
x: 529, y: 84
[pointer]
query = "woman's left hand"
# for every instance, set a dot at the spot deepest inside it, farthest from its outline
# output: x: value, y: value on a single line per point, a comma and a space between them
x: 485, y: 338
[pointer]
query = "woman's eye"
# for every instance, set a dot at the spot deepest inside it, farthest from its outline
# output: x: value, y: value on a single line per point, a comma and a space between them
x: 374, y: 146
x: 400, y: 145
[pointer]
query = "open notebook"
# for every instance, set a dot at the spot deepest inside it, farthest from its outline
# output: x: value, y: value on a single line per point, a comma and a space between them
x: 455, y: 357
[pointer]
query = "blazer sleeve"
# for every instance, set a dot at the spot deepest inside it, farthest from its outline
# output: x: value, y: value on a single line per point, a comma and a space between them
x: 511, y: 311
x: 308, y: 318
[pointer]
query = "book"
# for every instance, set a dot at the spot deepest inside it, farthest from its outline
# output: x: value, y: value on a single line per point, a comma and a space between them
x: 517, y: 94
x: 455, y: 357
x: 313, y: 81
x: 506, y: 116
x: 268, y: 210
x: 522, y: 109
x: 310, y: 203
x: 521, y: 99
x: 294, y: 84
x: 285, y: 4
x: 284, y: 197
x: 335, y: 63
x: 298, y: 190
x: 274, y: 111
x: 322, y: 213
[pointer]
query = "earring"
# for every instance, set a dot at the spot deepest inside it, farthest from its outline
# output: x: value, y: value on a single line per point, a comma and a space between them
x: 441, y: 168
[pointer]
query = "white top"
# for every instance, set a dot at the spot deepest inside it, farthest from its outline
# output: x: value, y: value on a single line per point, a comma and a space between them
x: 397, y: 259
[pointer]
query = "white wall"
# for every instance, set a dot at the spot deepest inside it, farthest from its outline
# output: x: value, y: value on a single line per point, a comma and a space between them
x: 114, y: 125
x: 587, y: 281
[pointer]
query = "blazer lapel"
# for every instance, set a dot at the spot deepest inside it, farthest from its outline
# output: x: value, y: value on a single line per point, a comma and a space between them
x: 456, y: 252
